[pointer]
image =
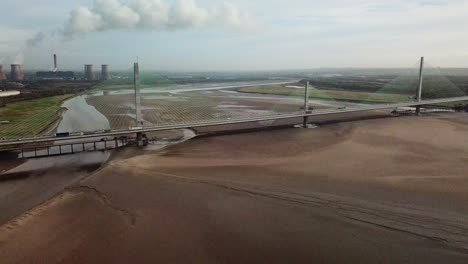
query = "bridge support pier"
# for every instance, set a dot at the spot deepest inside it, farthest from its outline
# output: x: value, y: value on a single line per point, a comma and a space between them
x: 306, y: 122
x: 139, y: 138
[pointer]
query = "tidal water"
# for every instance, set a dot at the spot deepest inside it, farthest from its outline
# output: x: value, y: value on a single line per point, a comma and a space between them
x: 81, y: 117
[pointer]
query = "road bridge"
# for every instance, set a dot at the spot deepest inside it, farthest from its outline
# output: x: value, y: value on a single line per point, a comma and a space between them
x: 19, y: 143
x: 141, y: 127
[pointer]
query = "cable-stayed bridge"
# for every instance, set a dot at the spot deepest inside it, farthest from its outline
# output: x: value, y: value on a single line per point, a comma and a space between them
x: 102, y: 115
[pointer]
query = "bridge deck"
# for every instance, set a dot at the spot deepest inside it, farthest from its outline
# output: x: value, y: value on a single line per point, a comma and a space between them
x: 114, y: 133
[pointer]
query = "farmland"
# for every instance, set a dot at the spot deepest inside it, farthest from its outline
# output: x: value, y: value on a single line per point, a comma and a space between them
x: 30, y: 118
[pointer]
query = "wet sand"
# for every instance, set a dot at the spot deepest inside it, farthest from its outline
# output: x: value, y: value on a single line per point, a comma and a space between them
x: 389, y: 190
x: 30, y: 183
x: 26, y: 183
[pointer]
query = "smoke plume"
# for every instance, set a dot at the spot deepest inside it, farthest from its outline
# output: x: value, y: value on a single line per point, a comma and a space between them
x: 150, y: 15
x: 38, y: 38
x: 19, y: 58
x: 155, y: 15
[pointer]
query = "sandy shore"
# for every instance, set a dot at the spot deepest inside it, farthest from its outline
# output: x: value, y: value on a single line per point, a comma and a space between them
x: 376, y: 191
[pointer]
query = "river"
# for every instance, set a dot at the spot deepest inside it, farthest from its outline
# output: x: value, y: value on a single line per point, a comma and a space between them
x: 37, y: 180
x: 80, y: 116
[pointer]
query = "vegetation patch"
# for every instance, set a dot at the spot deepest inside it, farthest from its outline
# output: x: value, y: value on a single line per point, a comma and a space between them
x: 30, y: 118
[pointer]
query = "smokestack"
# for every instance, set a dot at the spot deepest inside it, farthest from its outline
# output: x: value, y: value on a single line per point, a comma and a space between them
x: 55, y: 63
x: 89, y: 72
x: 17, y: 74
x: 2, y: 74
x: 105, y: 74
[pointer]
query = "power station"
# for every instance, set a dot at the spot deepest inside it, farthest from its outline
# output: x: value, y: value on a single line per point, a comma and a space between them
x: 17, y: 73
x: 55, y: 74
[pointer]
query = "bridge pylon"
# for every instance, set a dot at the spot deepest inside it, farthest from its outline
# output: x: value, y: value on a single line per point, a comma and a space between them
x: 420, y: 87
x: 306, y: 105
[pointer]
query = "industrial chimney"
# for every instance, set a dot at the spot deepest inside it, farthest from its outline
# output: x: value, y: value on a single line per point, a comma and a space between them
x: 89, y: 72
x: 2, y: 74
x: 17, y: 74
x: 55, y: 63
x: 105, y: 74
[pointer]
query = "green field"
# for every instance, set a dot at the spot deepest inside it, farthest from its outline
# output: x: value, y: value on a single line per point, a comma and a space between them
x: 30, y: 118
x: 338, y: 95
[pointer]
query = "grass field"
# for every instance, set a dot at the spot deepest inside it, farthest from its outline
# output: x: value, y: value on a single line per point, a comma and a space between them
x: 30, y: 118
x: 338, y: 95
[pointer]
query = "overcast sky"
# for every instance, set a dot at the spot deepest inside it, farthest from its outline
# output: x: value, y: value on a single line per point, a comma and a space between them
x: 203, y: 35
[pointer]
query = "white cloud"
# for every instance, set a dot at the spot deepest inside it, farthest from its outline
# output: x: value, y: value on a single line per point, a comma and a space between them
x: 290, y: 34
x: 83, y: 20
x: 114, y: 14
x: 154, y: 15
x: 229, y: 14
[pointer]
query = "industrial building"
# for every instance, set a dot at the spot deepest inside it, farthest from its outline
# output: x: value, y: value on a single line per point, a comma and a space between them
x: 3, y: 95
x: 9, y: 93
x: 58, y: 75
x: 55, y: 74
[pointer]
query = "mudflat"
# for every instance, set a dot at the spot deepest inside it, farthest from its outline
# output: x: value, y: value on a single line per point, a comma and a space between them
x: 391, y: 190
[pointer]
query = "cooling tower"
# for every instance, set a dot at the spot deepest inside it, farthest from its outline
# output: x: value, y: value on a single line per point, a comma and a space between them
x: 105, y: 75
x: 17, y: 74
x: 2, y: 74
x: 89, y: 72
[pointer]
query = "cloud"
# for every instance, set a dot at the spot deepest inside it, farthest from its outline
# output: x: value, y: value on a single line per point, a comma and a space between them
x: 149, y: 15
x: 232, y: 16
x: 155, y: 15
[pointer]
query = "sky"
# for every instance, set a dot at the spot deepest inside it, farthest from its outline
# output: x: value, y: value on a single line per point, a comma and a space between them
x: 237, y: 35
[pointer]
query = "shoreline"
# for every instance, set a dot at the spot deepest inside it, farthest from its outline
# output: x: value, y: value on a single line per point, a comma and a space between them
x: 14, y: 173
x: 52, y: 128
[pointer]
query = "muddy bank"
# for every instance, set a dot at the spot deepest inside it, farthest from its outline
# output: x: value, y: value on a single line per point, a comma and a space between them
x: 25, y: 184
x: 30, y: 183
x: 374, y: 191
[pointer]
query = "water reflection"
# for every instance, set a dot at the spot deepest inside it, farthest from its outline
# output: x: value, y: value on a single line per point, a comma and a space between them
x: 80, y: 116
